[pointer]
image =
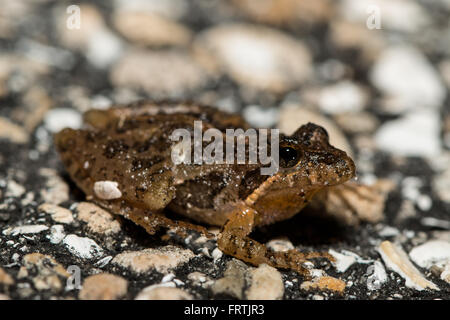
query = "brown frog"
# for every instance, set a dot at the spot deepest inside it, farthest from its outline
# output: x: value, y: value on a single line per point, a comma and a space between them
x: 122, y: 161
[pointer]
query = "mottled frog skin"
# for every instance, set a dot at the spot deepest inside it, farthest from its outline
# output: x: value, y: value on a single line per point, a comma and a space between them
x: 131, y: 146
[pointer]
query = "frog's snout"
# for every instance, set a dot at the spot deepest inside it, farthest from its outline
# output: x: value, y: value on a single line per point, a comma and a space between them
x: 335, y: 168
x: 347, y: 167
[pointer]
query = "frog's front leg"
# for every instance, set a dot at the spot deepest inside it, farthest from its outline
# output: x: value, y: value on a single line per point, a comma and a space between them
x: 234, y: 240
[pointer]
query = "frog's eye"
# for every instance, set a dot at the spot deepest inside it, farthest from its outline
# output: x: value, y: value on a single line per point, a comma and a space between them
x: 288, y: 157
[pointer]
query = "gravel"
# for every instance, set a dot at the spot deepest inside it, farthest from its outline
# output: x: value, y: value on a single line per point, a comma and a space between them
x: 382, y: 94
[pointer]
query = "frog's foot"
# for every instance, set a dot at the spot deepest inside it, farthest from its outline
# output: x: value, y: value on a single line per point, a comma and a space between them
x: 234, y: 240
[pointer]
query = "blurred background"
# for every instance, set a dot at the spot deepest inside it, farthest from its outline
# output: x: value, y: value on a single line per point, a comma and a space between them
x: 374, y: 73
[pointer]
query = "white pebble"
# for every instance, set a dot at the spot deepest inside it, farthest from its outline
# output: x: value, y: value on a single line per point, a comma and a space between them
x: 344, y: 96
x: 396, y: 259
x: 107, y: 190
x: 424, y: 202
x: 406, y: 77
x: 104, y: 48
x: 60, y: 118
x: 415, y: 134
x: 29, y: 229
x: 388, y: 231
x: 377, y: 276
x: 14, y: 189
x: 343, y: 262
x: 434, y: 252
x: 216, y: 254
x: 82, y: 247
x: 261, y: 117
x: 56, y: 234
x: 168, y: 277
x: 435, y: 223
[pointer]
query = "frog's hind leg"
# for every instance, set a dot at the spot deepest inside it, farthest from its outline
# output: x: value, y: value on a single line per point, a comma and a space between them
x: 234, y: 240
x: 152, y: 221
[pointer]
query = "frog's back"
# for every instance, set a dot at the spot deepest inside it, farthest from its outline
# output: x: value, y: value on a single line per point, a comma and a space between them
x: 131, y: 146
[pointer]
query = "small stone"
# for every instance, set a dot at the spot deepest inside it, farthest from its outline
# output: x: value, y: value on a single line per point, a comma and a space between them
x: 150, y: 29
x: 82, y: 247
x: 441, y: 235
x: 103, y: 286
x: 445, y: 275
x: 58, y: 214
x: 343, y: 261
x: 103, y: 262
x: 216, y: 254
x: 163, y: 293
x: 161, y: 259
x: 254, y: 56
x: 358, y: 122
x: 260, y: 117
x: 197, y: 277
x: 49, y: 271
x: 107, y: 190
x: 324, y: 283
x: 56, y: 234
x: 344, y: 96
x: 415, y: 134
x: 397, y: 260
x: 280, y: 244
x: 377, y: 276
x: 172, y: 72
x: 388, y: 231
x: 266, y: 284
x: 5, y: 278
x: 435, y: 223
x: 45, y: 54
x: 97, y: 219
x: 12, y: 132
x: 407, y: 79
x: 13, y: 189
x: 56, y: 189
x: 434, y: 252
x: 59, y: 118
x: 441, y: 185
x: 233, y: 281
x: 29, y: 229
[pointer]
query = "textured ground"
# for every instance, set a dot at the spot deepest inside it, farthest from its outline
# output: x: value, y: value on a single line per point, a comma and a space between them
x: 382, y: 94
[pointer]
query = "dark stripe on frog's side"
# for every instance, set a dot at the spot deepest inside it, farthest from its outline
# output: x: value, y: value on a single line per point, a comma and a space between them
x: 200, y: 192
x: 252, y: 180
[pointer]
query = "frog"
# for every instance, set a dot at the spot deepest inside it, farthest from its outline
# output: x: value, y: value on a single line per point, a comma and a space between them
x: 126, y: 149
